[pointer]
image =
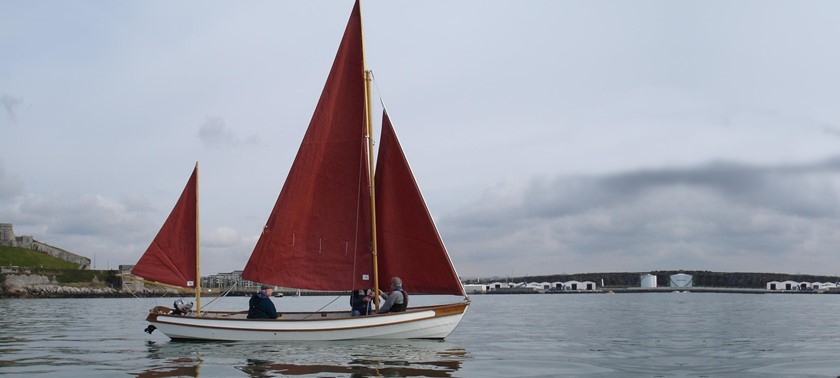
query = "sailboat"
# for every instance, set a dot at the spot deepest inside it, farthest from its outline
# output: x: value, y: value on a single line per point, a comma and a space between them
x: 339, y: 224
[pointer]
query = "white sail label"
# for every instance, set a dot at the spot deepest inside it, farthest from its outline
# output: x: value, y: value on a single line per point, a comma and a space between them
x: 190, y: 283
x: 365, y: 277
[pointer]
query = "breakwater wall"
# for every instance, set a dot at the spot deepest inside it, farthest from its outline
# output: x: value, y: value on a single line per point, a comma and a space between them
x: 48, y: 286
x: 39, y: 286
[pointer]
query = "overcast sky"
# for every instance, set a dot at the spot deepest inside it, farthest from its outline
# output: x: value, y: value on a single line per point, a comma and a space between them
x: 547, y: 136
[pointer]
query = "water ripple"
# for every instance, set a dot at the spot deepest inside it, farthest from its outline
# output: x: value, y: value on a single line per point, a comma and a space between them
x: 625, y: 335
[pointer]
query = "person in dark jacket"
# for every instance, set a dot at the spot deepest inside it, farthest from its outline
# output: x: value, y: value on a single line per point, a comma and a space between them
x: 360, y: 302
x: 260, y: 306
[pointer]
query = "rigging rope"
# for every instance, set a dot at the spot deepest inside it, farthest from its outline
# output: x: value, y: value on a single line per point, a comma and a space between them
x: 221, y: 296
x: 376, y: 85
x: 323, y: 307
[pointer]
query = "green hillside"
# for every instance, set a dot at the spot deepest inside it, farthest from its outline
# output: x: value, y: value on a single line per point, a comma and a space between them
x: 32, y: 259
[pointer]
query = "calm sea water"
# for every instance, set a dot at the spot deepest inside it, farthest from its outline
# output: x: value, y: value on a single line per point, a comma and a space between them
x: 622, y: 335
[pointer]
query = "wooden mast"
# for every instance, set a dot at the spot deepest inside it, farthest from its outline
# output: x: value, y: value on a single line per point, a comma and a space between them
x: 369, y: 131
x: 372, y: 191
x: 197, y: 249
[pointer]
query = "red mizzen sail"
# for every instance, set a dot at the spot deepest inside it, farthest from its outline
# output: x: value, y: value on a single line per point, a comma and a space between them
x: 171, y: 258
x: 318, y: 235
x: 408, y: 242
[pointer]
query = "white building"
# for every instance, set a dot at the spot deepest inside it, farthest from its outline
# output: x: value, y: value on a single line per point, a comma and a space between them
x: 784, y: 285
x: 224, y: 281
x: 534, y: 286
x: 681, y: 280
x: 572, y: 285
x: 827, y: 285
x: 498, y: 285
x: 800, y: 286
x: 774, y: 286
x: 475, y: 288
x: 789, y: 285
x: 545, y: 285
x: 648, y: 280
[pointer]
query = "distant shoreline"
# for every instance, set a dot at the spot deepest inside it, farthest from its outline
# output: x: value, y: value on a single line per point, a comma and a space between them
x: 59, y: 292
x: 726, y: 290
x: 646, y: 290
x: 58, y: 283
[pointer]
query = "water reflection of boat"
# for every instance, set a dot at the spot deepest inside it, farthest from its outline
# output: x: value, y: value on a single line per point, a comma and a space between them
x: 403, y: 358
x: 181, y: 371
x: 388, y: 360
x: 339, y: 224
x: 259, y: 368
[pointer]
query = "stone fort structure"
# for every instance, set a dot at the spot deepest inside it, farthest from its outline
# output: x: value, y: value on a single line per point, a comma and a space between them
x: 8, y: 238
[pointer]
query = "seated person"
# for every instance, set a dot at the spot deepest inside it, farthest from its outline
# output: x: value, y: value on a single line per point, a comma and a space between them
x: 360, y: 302
x: 260, y: 306
x: 397, y: 299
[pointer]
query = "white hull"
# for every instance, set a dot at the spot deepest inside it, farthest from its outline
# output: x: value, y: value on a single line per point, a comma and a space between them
x: 430, y: 322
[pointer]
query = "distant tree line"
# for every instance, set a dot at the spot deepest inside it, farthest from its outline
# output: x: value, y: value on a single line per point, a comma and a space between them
x: 702, y: 278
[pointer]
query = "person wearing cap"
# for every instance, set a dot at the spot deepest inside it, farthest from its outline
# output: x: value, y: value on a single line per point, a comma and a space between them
x: 260, y: 306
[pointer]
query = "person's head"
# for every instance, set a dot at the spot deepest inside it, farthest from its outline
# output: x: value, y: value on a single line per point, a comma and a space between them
x: 396, y: 282
x: 267, y: 289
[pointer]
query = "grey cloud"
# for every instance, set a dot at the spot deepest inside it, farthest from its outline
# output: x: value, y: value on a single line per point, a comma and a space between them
x: 87, y: 215
x: 798, y: 189
x: 832, y: 131
x: 216, y: 133
x: 137, y: 203
x: 10, y: 104
x: 88, y: 224
x: 704, y: 217
x: 10, y: 186
x: 93, y: 224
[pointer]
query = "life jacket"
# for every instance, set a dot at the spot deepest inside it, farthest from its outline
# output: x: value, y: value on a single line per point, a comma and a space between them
x: 400, y: 307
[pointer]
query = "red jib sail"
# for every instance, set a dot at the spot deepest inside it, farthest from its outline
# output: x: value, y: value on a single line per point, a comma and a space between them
x: 318, y: 234
x: 171, y: 258
x: 408, y: 242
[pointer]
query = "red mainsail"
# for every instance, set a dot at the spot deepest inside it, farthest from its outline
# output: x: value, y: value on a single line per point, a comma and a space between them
x: 408, y: 242
x: 318, y: 234
x: 171, y: 258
